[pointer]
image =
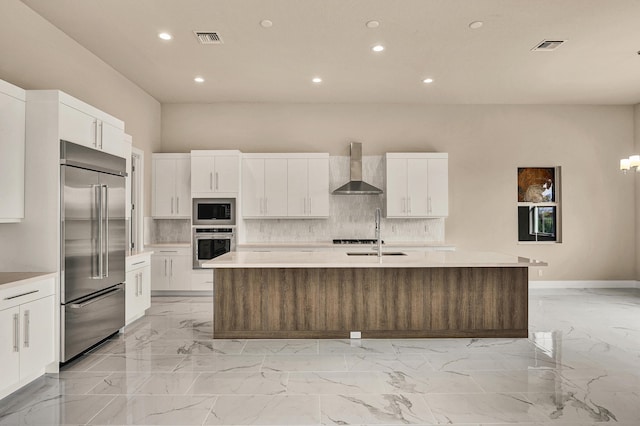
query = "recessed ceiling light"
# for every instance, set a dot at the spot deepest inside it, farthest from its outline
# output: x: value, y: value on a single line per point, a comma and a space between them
x: 165, y: 36
x: 372, y: 24
x: 378, y: 48
x: 265, y: 23
x: 316, y: 80
x: 476, y: 24
x: 199, y: 79
x: 427, y: 80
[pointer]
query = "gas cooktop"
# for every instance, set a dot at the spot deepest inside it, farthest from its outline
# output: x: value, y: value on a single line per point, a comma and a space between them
x: 355, y: 241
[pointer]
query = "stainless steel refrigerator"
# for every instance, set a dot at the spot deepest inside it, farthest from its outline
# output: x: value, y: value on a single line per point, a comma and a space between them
x: 93, y: 244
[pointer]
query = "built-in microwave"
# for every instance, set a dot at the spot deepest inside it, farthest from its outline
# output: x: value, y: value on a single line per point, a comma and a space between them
x: 214, y: 211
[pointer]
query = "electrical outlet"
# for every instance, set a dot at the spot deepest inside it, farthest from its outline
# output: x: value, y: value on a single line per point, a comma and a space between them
x: 355, y: 335
x: 539, y: 272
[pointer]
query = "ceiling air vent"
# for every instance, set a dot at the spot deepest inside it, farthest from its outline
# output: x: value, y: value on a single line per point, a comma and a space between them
x: 548, y: 45
x: 208, y: 37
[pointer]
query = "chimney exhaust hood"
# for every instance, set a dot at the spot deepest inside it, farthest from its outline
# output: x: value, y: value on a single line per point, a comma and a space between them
x: 356, y: 186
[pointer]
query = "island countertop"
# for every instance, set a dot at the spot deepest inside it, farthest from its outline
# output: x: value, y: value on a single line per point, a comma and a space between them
x: 331, y: 259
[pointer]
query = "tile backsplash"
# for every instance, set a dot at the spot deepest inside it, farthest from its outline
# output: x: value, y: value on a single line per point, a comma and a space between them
x: 160, y: 231
x: 351, y: 216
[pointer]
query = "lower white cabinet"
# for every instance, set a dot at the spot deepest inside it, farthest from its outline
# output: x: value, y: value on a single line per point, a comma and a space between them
x: 27, y: 327
x: 138, y: 287
x: 171, y: 269
x: 202, y: 280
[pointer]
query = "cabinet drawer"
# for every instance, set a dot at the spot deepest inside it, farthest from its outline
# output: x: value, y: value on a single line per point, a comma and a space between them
x: 27, y: 292
x: 137, y: 262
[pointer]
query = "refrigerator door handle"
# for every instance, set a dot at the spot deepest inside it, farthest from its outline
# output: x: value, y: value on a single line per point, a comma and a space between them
x: 96, y: 299
x: 106, y: 230
x: 100, y: 236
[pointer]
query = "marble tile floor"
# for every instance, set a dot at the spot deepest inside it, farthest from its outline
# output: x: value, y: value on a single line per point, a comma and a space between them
x: 580, y: 366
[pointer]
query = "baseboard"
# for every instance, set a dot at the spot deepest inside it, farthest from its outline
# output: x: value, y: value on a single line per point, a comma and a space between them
x: 584, y: 284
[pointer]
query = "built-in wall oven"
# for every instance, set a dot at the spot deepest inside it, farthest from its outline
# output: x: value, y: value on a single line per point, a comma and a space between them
x: 209, y: 243
x: 214, y: 211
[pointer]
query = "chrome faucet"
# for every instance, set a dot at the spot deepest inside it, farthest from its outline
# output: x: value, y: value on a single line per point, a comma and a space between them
x: 378, y: 239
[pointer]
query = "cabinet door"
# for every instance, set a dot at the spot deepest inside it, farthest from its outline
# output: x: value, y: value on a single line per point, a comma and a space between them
x: 160, y: 273
x: 180, y: 268
x: 252, y: 187
x: 112, y: 140
x: 201, y: 174
x: 78, y: 127
x: 37, y: 339
x: 318, y: 176
x: 417, y: 172
x: 275, y: 187
x: 438, y: 187
x: 202, y: 280
x: 12, y: 137
x: 145, y: 288
x: 183, y: 188
x: 297, y: 187
x: 9, y: 355
x: 131, y: 295
x: 226, y: 173
x: 164, y: 172
x: 396, y: 191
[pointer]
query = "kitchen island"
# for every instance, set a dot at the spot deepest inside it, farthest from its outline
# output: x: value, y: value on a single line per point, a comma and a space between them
x: 331, y: 294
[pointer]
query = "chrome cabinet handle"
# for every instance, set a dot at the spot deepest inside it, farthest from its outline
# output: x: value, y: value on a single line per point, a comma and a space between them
x: 165, y: 267
x: 16, y: 333
x: 178, y: 205
x: 217, y: 181
x: 409, y: 205
x: 100, y: 133
x: 210, y: 180
x: 429, y: 203
x: 27, y: 316
x: 95, y: 133
x: 21, y: 294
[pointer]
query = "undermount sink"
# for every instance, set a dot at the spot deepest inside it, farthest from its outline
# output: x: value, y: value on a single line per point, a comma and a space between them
x: 366, y: 253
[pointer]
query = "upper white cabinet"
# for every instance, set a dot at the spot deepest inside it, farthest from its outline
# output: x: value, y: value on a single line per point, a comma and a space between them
x: 308, y: 186
x: 417, y: 185
x: 285, y: 186
x: 85, y: 125
x: 12, y: 149
x: 264, y: 187
x: 215, y: 172
x: 171, y: 181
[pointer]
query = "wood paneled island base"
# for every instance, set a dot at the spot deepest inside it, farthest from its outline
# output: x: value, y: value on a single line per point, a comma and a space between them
x: 396, y: 302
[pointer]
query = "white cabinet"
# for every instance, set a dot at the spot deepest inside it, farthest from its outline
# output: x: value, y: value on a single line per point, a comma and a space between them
x: 214, y: 173
x: 285, y: 185
x: 27, y: 327
x: 171, y: 182
x: 264, y: 187
x: 138, y: 287
x: 85, y: 125
x: 202, y: 280
x: 417, y: 185
x: 12, y: 149
x: 171, y: 269
x: 308, y: 187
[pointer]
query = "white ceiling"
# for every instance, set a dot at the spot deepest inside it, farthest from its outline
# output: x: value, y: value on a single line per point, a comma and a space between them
x: 599, y: 63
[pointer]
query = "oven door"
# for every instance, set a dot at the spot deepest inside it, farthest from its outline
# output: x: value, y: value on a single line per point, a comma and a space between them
x: 207, y: 247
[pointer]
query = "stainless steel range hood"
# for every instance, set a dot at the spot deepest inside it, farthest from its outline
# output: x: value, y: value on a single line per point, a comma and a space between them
x: 356, y: 186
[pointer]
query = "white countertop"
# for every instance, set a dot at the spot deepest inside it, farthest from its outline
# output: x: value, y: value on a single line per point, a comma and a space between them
x: 330, y: 245
x: 167, y: 245
x: 333, y: 259
x: 19, y: 278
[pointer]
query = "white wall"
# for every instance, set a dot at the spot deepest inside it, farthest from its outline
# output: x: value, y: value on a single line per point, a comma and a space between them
x: 486, y: 144
x: 36, y: 55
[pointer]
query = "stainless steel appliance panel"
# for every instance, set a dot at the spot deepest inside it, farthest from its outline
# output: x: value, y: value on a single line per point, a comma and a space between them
x: 209, y: 243
x: 90, y: 320
x: 214, y: 211
x: 93, y: 231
